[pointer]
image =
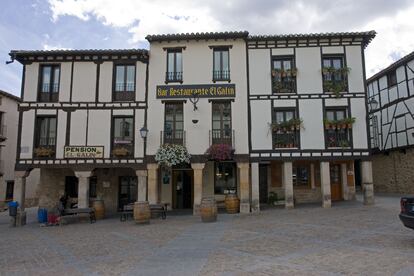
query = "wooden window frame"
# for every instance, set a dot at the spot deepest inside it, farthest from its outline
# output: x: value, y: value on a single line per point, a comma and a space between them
x: 221, y: 75
x: 49, y: 96
x: 124, y: 95
x: 292, y: 80
x: 348, y: 132
x: 223, y: 137
x: 294, y: 133
x: 176, y: 137
x: 132, y: 145
x: 174, y: 76
x: 392, y: 78
x: 37, y: 134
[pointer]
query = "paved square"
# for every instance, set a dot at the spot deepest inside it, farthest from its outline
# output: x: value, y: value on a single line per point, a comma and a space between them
x: 348, y: 239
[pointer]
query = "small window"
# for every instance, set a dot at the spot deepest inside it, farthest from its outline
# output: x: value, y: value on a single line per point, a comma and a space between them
x: 301, y: 175
x: 392, y: 78
x: 174, y: 66
x: 49, y: 83
x: 124, y: 89
x: 225, y: 178
x: 45, y: 140
x: 283, y: 75
x: 221, y: 64
x: 123, y: 137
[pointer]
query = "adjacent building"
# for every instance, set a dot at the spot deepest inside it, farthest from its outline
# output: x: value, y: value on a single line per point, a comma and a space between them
x: 291, y: 109
x: 391, y: 98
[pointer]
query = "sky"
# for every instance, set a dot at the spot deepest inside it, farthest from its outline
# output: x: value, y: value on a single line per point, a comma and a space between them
x: 123, y: 24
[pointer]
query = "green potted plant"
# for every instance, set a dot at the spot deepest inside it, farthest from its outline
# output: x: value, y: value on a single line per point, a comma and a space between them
x: 344, y: 144
x: 350, y: 121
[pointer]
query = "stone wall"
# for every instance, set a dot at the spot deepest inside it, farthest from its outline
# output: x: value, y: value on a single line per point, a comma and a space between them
x: 394, y: 173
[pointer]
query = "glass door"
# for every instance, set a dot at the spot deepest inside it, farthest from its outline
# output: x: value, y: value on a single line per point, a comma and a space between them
x: 127, y: 191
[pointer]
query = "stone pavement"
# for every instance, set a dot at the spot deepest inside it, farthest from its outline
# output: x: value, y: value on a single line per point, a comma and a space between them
x: 348, y: 239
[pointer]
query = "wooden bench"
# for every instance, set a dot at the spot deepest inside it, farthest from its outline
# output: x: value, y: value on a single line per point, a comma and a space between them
x: 128, y: 211
x: 77, y: 212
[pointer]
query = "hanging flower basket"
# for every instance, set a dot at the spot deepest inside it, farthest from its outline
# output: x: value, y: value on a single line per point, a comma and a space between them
x: 220, y: 152
x: 170, y: 155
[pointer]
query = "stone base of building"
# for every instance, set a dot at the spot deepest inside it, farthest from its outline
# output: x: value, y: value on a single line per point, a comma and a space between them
x: 196, y: 209
x: 244, y: 208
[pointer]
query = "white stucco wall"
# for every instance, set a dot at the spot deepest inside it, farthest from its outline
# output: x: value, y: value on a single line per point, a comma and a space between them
x: 359, y: 129
x: 31, y: 82
x: 308, y: 64
x: 261, y: 115
x: 105, y: 82
x: 84, y: 82
x: 64, y: 85
x: 27, y: 134
x: 260, y: 71
x: 355, y: 75
x: 78, y: 128
x: 311, y: 136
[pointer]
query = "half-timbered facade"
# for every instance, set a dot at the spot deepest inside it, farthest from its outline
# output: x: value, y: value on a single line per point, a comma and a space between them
x: 391, y: 98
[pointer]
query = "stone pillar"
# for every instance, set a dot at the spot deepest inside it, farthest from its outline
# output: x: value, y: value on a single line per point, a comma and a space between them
x: 312, y: 175
x: 351, y: 189
x: 287, y: 182
x: 344, y: 181
x: 325, y: 185
x: 367, y: 182
x: 142, y: 185
x: 244, y: 187
x: 152, y: 183
x: 83, y: 188
x: 198, y: 186
x: 19, y: 195
x: 255, y: 188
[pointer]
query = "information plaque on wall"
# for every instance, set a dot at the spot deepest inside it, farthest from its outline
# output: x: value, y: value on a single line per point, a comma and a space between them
x: 198, y: 90
x: 84, y: 152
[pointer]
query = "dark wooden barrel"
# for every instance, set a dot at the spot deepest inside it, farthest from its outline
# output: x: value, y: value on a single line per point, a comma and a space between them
x: 99, y: 207
x: 208, y: 209
x: 232, y: 203
x: 142, y: 212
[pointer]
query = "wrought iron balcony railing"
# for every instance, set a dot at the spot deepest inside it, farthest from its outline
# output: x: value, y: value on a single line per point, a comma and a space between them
x: 285, y: 139
x: 222, y: 136
x: 221, y: 75
x: 337, y: 138
x: 174, y: 76
x: 176, y: 137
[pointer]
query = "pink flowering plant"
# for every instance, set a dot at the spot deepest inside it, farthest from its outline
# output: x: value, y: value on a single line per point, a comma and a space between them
x: 220, y: 152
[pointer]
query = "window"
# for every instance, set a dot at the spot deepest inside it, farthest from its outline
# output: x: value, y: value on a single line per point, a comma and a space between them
x: 124, y: 82
x: 301, y: 175
x: 337, y: 135
x: 45, y: 139
x: 392, y: 78
x: 285, y: 132
x: 221, y: 115
x: 9, y: 190
x: 334, y: 74
x: 2, y: 126
x: 221, y: 66
x: 174, y: 124
x: 283, y: 75
x: 49, y: 83
x: 174, y: 66
x: 123, y: 137
x: 225, y: 178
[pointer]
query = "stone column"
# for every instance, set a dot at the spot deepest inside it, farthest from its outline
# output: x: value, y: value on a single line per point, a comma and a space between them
x: 142, y: 185
x: 244, y: 187
x: 19, y: 195
x: 255, y: 188
x: 325, y: 185
x: 367, y: 182
x: 83, y: 188
x: 312, y: 175
x: 351, y: 189
x: 152, y: 183
x: 198, y: 186
x: 344, y: 181
x: 287, y: 182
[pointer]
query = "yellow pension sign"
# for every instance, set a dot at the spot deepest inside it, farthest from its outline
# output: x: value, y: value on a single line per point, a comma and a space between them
x: 83, y: 152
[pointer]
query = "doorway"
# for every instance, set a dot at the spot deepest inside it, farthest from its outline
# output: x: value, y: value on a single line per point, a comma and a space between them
x: 127, y: 191
x: 336, y: 182
x: 182, y: 189
x: 263, y: 183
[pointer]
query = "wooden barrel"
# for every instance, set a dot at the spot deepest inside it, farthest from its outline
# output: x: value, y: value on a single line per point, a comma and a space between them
x: 208, y: 209
x: 142, y: 212
x: 232, y: 203
x: 99, y: 207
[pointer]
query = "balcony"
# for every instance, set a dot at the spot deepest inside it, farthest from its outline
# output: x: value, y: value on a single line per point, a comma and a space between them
x: 284, y: 85
x: 221, y: 136
x: 174, y: 77
x: 221, y: 75
x: 3, y: 132
x: 49, y: 93
x: 176, y: 137
x: 285, y: 139
x: 337, y: 138
x: 124, y: 92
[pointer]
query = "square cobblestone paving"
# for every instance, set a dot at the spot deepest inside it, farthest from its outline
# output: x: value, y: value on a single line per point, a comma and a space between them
x: 347, y: 239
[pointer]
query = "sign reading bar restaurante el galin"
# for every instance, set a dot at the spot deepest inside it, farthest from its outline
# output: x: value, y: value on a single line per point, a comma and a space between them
x: 83, y: 152
x: 201, y: 90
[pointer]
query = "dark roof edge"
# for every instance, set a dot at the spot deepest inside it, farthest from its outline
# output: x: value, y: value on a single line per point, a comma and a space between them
x: 7, y: 94
x: 195, y: 36
x: 393, y: 66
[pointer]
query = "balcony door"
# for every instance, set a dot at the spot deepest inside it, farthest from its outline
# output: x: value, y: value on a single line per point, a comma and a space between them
x: 174, y: 123
x: 221, y: 131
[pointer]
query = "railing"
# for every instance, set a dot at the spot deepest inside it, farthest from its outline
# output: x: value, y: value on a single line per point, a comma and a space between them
x: 173, y: 76
x: 176, y: 137
x: 124, y: 87
x: 48, y: 97
x: 336, y: 138
x: 335, y: 82
x: 284, y: 85
x: 285, y: 139
x: 3, y: 133
x: 47, y: 88
x: 221, y: 75
x: 222, y: 136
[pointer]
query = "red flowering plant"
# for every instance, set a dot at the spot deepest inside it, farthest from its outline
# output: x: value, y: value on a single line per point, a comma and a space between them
x: 220, y: 152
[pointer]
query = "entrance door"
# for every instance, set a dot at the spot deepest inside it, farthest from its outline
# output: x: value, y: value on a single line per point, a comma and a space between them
x: 263, y: 183
x: 336, y: 186
x: 182, y: 189
x: 127, y: 191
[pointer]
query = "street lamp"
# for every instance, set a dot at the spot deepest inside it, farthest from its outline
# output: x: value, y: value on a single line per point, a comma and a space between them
x: 144, y: 132
x: 373, y: 104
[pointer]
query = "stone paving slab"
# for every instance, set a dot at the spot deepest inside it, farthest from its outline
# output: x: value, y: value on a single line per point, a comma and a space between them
x: 348, y: 239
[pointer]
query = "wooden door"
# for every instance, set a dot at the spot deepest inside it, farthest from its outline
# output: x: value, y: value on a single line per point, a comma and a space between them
x: 336, y: 184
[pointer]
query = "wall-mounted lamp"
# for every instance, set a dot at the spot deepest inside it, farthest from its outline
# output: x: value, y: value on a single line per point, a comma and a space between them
x: 373, y: 104
x: 144, y: 132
